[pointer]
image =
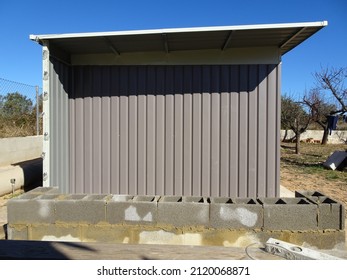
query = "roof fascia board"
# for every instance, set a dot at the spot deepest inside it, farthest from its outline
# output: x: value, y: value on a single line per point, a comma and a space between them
x: 38, y: 38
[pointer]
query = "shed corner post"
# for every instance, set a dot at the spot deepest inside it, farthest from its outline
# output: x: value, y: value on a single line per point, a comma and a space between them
x: 46, y: 117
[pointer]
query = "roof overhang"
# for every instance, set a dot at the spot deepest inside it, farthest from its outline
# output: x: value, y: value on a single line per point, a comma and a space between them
x: 284, y: 37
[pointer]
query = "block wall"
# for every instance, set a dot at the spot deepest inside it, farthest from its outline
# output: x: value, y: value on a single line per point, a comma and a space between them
x: 45, y: 214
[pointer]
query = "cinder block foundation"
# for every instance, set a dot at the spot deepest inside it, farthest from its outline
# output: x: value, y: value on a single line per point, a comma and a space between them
x: 331, y: 214
x: 45, y: 214
x: 236, y: 213
x: 125, y: 209
x: 183, y: 211
x: 289, y: 214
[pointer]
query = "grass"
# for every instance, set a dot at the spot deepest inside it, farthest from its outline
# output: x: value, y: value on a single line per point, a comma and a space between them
x: 311, y: 160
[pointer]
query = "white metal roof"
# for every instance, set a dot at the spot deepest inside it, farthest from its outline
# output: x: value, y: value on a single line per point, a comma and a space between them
x: 285, y: 36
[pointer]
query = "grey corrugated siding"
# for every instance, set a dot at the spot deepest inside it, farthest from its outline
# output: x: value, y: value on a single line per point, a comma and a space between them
x: 183, y: 130
x: 58, y: 135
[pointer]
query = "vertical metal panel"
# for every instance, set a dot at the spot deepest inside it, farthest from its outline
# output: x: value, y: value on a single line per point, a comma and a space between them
x: 133, y: 130
x: 271, y: 131
x: 169, y: 132
x: 96, y: 131
x: 234, y: 131
x: 178, y: 119
x: 252, y: 132
x: 58, y: 132
x: 142, y: 135
x: 262, y: 131
x: 84, y: 109
x: 124, y: 132
x: 76, y: 133
x: 115, y: 131
x: 185, y: 130
x: 105, y: 131
x: 196, y: 130
x: 224, y: 130
x: 215, y: 131
x: 243, y: 132
x: 160, y: 131
x: 151, y: 140
x: 206, y: 131
x: 278, y: 131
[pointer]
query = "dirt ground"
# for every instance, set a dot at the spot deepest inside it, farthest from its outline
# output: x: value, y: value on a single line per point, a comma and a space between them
x: 305, y: 171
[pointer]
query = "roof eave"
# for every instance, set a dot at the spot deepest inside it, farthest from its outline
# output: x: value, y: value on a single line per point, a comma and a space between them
x: 38, y: 38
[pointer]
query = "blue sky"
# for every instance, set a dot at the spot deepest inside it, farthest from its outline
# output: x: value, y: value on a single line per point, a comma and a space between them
x: 20, y: 58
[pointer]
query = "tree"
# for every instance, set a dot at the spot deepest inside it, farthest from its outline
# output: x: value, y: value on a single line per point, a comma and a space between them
x: 16, y: 110
x: 320, y: 110
x: 294, y: 117
x: 15, y: 105
x: 330, y: 96
x: 331, y: 80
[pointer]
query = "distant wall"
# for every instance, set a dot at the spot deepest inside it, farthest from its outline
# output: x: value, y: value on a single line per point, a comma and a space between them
x: 18, y: 149
x: 336, y: 137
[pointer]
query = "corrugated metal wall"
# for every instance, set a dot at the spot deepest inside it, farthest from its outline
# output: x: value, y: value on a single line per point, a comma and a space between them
x: 183, y: 130
x: 60, y: 80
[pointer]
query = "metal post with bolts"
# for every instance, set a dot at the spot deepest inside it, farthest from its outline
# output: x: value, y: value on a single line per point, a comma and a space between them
x: 37, y: 111
x: 13, y: 183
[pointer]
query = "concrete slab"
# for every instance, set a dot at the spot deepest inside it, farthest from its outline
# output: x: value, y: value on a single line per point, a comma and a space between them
x: 284, y: 192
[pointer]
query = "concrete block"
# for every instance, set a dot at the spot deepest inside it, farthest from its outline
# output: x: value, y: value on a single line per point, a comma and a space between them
x: 183, y: 211
x: 310, y: 195
x: 289, y: 214
x: 17, y: 232
x: 81, y: 208
x: 55, y: 232
x: 32, y: 208
x: 106, y: 233
x: 331, y: 213
x: 44, y: 190
x: 132, y: 210
x: 239, y: 213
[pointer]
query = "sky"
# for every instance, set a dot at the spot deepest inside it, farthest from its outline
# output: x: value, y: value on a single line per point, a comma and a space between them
x: 21, y: 59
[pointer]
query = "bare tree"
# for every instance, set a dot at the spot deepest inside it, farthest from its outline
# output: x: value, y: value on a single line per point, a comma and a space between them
x: 320, y: 110
x: 294, y: 117
x: 331, y: 80
x: 328, y: 98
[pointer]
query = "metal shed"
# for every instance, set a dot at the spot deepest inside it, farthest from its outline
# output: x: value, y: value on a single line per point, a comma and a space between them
x: 189, y: 111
